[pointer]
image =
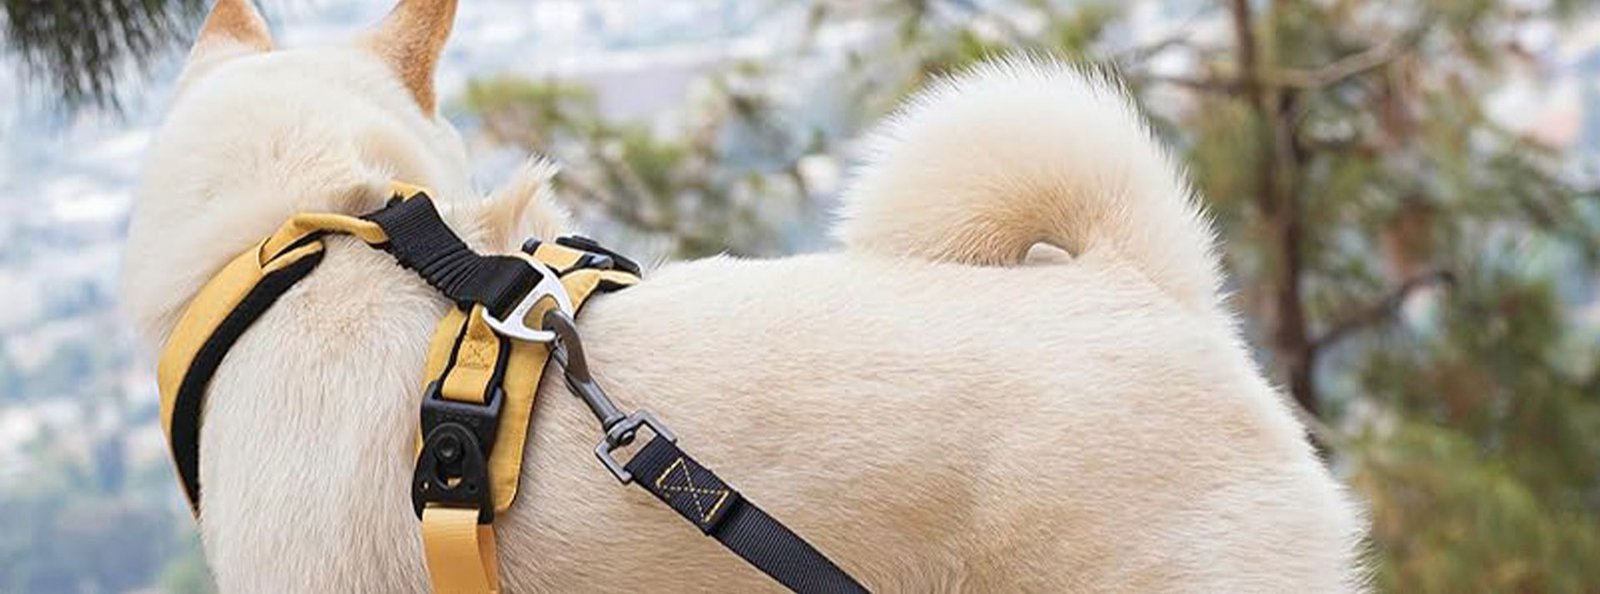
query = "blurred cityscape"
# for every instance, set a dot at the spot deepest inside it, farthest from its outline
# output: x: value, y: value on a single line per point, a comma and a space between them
x: 770, y: 96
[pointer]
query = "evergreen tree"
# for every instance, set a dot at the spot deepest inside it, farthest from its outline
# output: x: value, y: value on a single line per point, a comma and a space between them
x: 81, y: 50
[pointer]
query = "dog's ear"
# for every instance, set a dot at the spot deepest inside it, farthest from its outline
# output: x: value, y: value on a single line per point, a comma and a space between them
x: 411, y: 39
x: 233, y: 29
x: 232, y: 22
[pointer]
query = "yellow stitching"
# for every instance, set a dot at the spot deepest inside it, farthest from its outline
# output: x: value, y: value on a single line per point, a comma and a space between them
x: 476, y: 355
x: 692, y: 490
x: 668, y: 473
x: 689, y: 479
x: 716, y: 506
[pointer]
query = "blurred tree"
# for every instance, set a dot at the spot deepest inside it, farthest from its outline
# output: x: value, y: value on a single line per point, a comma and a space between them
x: 713, y: 185
x: 73, y: 527
x: 83, y: 49
x: 1405, y: 262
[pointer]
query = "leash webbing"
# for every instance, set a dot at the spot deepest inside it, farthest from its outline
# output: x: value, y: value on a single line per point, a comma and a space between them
x: 703, y: 499
x: 692, y: 490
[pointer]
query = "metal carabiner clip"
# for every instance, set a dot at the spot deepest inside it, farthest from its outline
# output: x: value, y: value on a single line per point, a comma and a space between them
x: 620, y: 429
x: 515, y: 324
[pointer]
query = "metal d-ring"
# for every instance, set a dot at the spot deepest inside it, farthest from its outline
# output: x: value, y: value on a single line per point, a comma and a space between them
x: 515, y: 324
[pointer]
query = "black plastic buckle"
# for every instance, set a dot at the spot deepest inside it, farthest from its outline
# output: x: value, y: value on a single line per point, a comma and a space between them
x: 452, y: 469
x: 452, y: 472
x: 483, y: 420
x: 579, y: 242
x: 596, y: 256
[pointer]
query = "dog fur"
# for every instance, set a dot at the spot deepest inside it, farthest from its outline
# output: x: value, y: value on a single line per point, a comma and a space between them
x: 921, y: 406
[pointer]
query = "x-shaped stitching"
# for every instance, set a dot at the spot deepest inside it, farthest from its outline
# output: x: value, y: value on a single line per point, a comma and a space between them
x: 691, y: 489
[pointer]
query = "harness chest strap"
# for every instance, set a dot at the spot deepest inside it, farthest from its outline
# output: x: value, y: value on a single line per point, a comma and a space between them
x: 477, y: 370
x: 484, y: 366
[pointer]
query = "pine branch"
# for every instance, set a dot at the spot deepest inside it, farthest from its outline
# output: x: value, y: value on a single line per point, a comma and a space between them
x: 630, y: 215
x: 1343, y: 68
x: 1181, y: 37
x: 1331, y: 74
x: 1383, y: 309
x: 82, y: 49
x: 1211, y: 84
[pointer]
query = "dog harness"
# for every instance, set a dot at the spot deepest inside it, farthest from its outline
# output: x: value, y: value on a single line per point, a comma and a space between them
x: 482, y: 375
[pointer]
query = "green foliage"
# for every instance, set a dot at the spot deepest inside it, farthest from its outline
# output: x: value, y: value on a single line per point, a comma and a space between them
x: 693, y: 189
x: 1433, y: 237
x: 1486, y: 530
x: 82, y: 49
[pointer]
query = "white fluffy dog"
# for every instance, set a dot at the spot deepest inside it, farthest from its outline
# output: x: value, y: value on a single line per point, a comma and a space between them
x: 927, y: 411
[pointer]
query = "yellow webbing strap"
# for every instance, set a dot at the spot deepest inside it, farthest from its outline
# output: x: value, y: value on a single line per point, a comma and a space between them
x: 218, y: 298
x: 224, y: 307
x: 460, y: 551
x: 558, y: 257
x: 476, y: 358
x: 463, y: 357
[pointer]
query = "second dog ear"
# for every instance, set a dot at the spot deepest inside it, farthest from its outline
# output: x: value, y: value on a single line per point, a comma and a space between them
x: 411, y: 39
x: 233, y: 29
x: 233, y: 22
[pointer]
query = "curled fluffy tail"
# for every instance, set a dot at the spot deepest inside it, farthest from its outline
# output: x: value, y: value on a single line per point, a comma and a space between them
x: 980, y: 167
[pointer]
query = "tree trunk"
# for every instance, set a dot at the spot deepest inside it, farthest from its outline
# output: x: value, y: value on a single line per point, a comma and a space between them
x: 1293, y: 353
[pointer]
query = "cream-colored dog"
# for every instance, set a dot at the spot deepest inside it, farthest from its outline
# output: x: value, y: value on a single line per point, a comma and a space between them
x: 922, y: 407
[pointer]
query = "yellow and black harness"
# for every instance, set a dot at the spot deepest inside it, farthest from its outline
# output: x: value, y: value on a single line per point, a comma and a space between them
x: 483, y: 369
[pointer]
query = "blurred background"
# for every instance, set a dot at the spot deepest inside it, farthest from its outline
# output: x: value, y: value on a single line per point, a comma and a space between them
x: 1409, y: 193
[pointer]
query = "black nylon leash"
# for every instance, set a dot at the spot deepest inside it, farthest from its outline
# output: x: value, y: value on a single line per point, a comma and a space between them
x: 692, y: 490
x: 703, y: 499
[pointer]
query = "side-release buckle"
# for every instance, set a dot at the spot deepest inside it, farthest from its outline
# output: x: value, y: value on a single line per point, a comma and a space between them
x: 452, y: 469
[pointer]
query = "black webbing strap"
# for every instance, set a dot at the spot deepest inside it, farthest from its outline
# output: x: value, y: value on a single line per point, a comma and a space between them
x: 421, y: 242
x: 718, y: 510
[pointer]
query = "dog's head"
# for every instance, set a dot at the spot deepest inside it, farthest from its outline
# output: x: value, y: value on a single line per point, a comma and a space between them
x: 246, y: 103
x: 257, y: 133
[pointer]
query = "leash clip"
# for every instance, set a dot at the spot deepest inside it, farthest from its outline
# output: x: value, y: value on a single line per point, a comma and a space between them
x: 620, y: 429
x: 515, y: 324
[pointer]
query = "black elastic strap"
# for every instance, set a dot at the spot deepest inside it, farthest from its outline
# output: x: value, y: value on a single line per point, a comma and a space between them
x: 721, y: 513
x: 421, y: 242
